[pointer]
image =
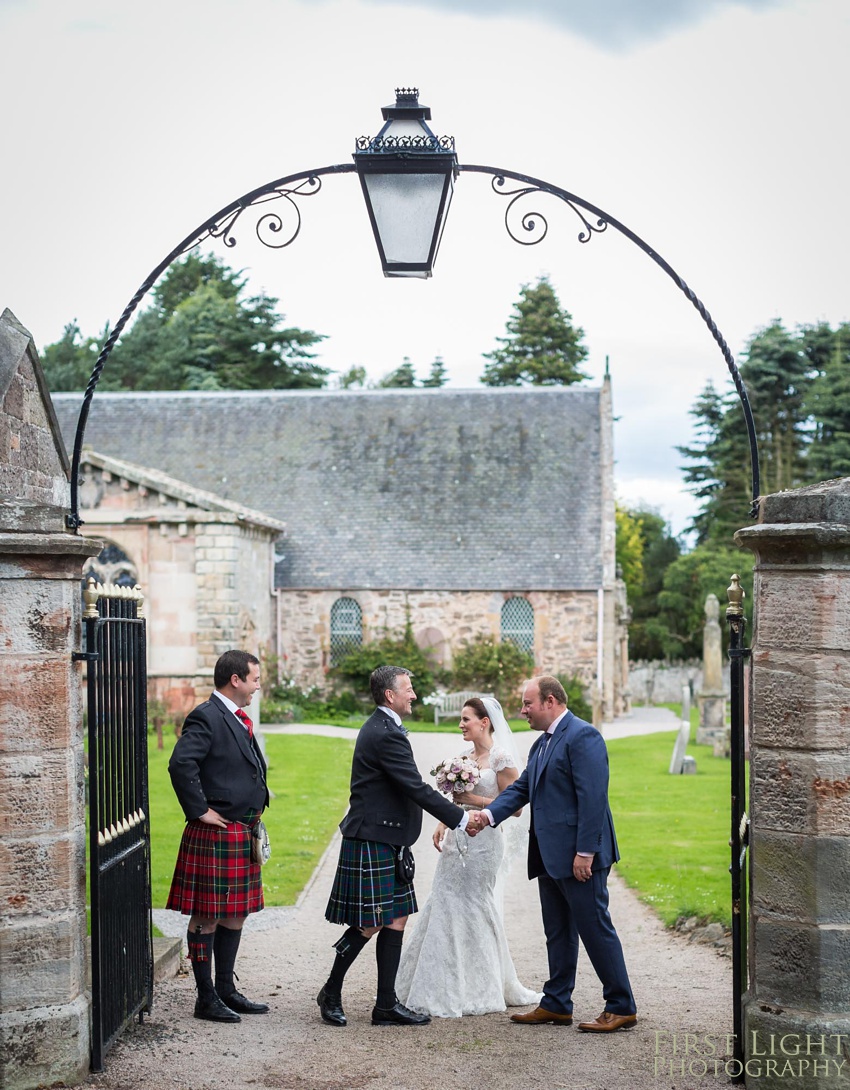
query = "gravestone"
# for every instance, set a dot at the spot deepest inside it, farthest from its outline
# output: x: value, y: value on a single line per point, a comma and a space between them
x: 677, y: 761
x: 712, y: 701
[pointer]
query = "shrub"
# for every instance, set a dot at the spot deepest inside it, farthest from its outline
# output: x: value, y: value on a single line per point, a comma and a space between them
x: 394, y: 650
x: 489, y: 665
x: 576, y: 698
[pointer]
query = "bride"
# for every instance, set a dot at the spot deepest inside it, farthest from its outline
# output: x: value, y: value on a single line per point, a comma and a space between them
x: 456, y: 961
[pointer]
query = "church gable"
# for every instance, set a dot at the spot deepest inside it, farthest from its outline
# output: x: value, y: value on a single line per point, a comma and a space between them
x: 113, y: 490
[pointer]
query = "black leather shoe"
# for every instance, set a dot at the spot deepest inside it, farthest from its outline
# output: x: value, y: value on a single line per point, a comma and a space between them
x: 213, y: 1010
x: 330, y: 1008
x: 238, y: 1002
x: 398, y: 1015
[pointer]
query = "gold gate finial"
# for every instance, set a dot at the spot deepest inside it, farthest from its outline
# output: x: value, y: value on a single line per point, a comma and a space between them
x: 735, y: 593
x: 90, y: 597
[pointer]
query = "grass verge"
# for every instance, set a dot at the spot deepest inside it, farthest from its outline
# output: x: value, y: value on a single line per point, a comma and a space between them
x: 673, y: 831
x: 309, y: 777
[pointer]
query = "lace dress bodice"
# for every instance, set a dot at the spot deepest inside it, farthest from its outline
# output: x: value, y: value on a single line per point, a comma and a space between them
x: 487, y: 786
x: 456, y: 959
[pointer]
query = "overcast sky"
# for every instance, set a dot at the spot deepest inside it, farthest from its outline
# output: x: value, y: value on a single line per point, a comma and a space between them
x: 715, y: 131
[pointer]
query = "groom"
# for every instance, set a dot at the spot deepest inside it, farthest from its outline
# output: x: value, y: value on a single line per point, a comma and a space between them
x: 571, y: 849
x: 369, y: 894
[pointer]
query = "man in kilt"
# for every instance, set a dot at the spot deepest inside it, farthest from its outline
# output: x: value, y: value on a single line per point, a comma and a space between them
x: 219, y: 775
x: 388, y: 796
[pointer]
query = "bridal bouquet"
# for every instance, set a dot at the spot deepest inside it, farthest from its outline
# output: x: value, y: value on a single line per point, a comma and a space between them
x: 456, y: 774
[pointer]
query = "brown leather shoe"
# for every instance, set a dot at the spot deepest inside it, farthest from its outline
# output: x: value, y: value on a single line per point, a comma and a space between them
x: 607, y: 1022
x: 540, y: 1016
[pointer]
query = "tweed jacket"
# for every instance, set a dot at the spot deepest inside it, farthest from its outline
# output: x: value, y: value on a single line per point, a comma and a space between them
x: 566, y: 783
x: 388, y: 794
x: 215, y: 765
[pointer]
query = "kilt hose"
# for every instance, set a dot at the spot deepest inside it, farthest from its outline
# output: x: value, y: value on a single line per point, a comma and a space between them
x: 366, y: 892
x: 214, y: 877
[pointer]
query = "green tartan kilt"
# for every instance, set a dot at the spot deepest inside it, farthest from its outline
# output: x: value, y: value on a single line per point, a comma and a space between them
x: 366, y: 892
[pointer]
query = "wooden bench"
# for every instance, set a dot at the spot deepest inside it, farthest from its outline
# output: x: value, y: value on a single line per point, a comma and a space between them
x: 450, y: 705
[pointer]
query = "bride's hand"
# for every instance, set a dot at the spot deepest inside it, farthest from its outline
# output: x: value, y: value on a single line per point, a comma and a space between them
x: 437, y: 838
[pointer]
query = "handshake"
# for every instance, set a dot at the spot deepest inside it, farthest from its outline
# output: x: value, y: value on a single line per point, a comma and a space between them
x: 477, y: 821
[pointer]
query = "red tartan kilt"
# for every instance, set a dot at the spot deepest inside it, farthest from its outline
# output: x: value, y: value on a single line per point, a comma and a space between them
x: 214, y: 877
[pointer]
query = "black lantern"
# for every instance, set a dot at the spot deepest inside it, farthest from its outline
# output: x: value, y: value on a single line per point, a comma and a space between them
x: 408, y: 176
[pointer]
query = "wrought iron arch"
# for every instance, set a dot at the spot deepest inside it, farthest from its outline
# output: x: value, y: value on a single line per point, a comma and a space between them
x: 270, y: 230
x: 533, y: 228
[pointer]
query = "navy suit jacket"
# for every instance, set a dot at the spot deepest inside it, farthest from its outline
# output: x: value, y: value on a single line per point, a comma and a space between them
x: 566, y: 785
x: 388, y: 794
x: 215, y: 765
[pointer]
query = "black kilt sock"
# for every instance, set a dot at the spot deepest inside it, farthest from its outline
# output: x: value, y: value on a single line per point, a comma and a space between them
x: 225, y: 947
x: 347, y: 948
x: 201, y: 955
x: 388, y: 955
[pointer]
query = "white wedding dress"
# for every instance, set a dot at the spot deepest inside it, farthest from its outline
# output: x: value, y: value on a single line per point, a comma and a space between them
x: 455, y: 959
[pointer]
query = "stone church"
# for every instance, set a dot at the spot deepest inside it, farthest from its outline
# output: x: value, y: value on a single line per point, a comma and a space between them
x: 296, y: 522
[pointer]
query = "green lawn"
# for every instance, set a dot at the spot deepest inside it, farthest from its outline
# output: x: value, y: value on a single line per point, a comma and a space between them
x: 673, y: 831
x: 447, y: 726
x: 309, y: 778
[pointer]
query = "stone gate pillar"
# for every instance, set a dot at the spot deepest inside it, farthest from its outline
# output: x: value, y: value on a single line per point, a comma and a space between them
x: 797, y: 1012
x: 44, y: 1010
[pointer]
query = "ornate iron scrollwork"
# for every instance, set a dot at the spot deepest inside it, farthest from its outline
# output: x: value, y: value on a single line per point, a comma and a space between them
x: 536, y: 222
x: 220, y: 226
x: 269, y: 225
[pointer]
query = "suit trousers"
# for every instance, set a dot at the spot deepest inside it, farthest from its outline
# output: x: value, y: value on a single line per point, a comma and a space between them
x: 574, y: 910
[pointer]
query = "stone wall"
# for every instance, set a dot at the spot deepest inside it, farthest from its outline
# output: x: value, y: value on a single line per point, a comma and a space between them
x: 565, y: 627
x: 799, y: 921
x: 44, y: 1010
x: 205, y: 566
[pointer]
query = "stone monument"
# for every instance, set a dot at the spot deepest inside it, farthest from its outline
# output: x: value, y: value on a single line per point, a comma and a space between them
x: 678, y: 758
x: 44, y: 1010
x: 712, y: 702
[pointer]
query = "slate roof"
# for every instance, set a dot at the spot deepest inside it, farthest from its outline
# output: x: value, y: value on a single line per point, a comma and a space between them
x: 481, y: 489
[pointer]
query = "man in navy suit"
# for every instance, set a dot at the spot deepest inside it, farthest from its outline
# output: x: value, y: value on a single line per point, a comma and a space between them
x: 571, y: 849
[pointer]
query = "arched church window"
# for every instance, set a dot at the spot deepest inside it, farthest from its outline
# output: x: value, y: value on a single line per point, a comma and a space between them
x: 112, y: 565
x: 346, y: 628
x: 518, y: 623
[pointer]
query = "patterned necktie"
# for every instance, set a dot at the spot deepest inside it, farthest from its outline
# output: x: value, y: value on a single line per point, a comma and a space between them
x: 246, y: 722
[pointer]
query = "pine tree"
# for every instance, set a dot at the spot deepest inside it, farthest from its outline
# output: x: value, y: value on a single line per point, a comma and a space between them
x: 719, y: 475
x: 778, y: 376
x: 403, y: 376
x: 438, y: 375
x: 829, y: 400
x: 201, y: 333
x: 543, y: 347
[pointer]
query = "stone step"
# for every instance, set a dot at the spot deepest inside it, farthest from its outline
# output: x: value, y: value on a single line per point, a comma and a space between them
x: 167, y: 953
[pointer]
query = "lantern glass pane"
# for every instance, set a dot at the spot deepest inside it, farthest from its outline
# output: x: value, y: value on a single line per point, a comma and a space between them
x: 406, y: 207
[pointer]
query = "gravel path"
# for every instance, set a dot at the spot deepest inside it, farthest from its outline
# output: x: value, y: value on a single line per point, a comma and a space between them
x: 680, y: 988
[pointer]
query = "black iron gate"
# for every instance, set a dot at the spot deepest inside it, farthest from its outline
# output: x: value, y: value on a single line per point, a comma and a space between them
x: 739, y: 839
x: 119, y: 829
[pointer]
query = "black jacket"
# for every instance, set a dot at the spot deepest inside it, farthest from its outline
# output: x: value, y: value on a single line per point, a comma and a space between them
x: 388, y: 794
x: 216, y: 766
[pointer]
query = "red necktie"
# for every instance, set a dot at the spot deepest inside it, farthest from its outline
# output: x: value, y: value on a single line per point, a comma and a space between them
x: 243, y: 718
